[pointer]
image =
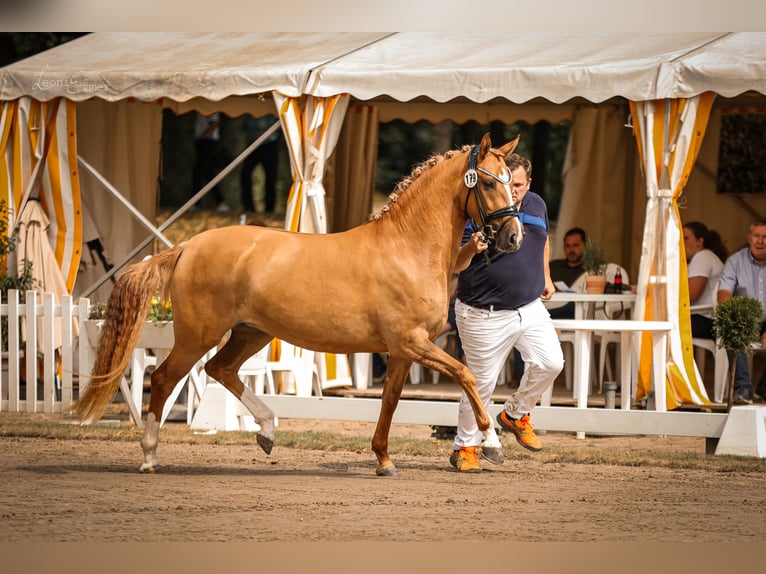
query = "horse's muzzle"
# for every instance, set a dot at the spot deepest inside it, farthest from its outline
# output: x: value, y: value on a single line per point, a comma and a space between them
x: 510, y: 235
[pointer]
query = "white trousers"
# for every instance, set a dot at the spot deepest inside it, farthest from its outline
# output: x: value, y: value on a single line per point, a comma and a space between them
x: 487, y: 338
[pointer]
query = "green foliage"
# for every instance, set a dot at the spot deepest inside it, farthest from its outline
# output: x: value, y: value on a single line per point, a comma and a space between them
x: 594, y: 261
x: 737, y: 323
x: 401, y: 146
x: 160, y: 310
x: 21, y: 281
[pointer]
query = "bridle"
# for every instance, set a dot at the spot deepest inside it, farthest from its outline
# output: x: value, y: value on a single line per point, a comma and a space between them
x: 471, y: 179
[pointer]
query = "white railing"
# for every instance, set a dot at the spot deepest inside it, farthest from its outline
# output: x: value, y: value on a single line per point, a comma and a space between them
x: 50, y: 374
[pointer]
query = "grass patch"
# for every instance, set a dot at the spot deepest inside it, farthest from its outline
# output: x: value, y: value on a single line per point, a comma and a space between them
x: 328, y: 441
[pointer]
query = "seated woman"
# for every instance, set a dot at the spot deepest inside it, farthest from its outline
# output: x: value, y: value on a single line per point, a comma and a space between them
x: 705, y: 254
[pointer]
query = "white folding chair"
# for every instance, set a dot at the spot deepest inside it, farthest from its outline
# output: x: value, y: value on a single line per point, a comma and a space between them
x: 299, y: 363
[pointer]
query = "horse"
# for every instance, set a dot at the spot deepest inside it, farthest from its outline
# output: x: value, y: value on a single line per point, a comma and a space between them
x: 382, y: 286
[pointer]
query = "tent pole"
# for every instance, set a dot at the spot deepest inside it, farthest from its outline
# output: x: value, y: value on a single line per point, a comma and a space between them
x: 170, y: 220
x: 121, y: 198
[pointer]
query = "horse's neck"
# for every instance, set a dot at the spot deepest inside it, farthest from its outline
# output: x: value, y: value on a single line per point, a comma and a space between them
x: 428, y: 212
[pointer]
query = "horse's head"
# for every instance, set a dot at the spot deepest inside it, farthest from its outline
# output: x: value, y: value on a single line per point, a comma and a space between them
x: 490, y: 182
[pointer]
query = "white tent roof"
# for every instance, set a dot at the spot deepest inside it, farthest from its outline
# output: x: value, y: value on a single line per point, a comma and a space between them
x: 440, y: 66
x: 557, y: 67
x: 179, y: 66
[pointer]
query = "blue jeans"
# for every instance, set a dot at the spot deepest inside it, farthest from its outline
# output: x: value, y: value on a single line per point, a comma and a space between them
x: 742, y: 377
x: 743, y: 380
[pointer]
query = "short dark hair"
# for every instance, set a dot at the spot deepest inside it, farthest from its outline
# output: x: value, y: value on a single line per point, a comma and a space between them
x: 515, y: 161
x: 577, y: 231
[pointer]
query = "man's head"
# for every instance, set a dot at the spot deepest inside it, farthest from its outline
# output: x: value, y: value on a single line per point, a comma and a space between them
x: 521, y: 172
x: 756, y: 240
x: 574, y: 246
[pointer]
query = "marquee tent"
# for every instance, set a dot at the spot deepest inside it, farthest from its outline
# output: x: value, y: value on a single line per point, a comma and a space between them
x: 121, y: 83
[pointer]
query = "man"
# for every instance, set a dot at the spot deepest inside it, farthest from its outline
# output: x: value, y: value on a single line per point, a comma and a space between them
x: 498, y: 307
x: 744, y: 273
x: 569, y: 269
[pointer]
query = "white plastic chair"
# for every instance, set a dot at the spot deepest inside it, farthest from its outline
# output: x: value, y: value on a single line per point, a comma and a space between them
x: 721, y: 370
x: 300, y: 364
x: 254, y: 374
x: 610, y: 311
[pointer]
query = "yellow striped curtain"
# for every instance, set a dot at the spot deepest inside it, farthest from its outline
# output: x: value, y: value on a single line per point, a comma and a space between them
x: 669, y: 134
x: 38, y: 158
x: 311, y: 126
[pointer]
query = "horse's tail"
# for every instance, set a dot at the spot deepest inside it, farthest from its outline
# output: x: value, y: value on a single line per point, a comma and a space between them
x: 126, y: 312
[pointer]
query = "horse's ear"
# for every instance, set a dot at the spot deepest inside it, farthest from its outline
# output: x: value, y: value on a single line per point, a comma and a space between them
x: 508, y: 148
x: 485, y: 145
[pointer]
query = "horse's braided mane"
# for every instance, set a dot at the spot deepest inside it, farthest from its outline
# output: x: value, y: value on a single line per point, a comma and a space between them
x: 417, y: 171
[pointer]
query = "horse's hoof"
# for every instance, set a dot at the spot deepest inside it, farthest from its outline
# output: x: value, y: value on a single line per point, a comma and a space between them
x: 149, y: 467
x: 265, y: 443
x: 387, y: 471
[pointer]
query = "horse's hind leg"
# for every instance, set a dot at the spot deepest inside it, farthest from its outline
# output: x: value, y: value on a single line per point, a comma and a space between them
x: 177, y: 364
x: 224, y: 366
x: 396, y: 374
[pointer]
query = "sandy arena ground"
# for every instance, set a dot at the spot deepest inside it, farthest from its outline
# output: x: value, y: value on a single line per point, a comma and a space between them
x: 90, y: 490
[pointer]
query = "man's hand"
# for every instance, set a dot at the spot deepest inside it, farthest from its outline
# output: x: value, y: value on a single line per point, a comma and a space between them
x: 478, y: 243
x: 549, y: 289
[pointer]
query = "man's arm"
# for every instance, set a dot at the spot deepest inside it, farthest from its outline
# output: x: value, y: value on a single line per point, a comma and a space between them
x: 728, y: 281
x: 549, y: 288
x: 468, y: 250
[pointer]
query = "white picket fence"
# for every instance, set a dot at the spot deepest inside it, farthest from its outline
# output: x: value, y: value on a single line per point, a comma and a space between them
x: 49, y: 376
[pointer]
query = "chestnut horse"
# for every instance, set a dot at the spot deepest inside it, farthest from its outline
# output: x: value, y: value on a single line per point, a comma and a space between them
x: 379, y: 287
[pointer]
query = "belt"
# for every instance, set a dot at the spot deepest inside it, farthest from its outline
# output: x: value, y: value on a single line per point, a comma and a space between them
x: 489, y: 307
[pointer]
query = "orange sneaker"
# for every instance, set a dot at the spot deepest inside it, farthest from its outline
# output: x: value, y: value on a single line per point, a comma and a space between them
x: 522, y: 428
x: 465, y: 460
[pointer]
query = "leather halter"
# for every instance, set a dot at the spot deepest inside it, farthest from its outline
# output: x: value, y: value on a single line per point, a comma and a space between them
x: 471, y: 179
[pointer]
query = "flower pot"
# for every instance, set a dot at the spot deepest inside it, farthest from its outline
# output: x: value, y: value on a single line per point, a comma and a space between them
x: 155, y: 334
x: 93, y: 331
x: 595, y: 283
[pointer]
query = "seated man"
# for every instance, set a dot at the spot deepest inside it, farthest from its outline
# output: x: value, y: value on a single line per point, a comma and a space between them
x: 568, y: 270
x: 742, y: 275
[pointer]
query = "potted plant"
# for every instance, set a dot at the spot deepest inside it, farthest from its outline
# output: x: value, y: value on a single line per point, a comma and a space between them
x: 594, y: 264
x: 737, y: 325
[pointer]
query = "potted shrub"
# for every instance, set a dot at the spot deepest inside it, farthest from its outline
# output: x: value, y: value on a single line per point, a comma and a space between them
x: 594, y: 264
x: 737, y: 325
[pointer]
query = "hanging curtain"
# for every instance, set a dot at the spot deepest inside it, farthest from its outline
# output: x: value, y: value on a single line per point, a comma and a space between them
x: 311, y: 126
x: 669, y: 134
x: 350, y: 175
x: 594, y: 181
x: 38, y: 151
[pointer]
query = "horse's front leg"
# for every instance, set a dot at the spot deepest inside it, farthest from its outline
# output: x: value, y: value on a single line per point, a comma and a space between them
x: 434, y: 358
x: 396, y: 374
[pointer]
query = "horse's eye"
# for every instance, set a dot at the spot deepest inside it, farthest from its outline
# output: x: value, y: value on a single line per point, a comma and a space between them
x: 488, y: 184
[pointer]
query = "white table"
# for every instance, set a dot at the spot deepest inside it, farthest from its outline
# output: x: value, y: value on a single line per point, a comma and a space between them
x: 585, y: 304
x: 584, y: 328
